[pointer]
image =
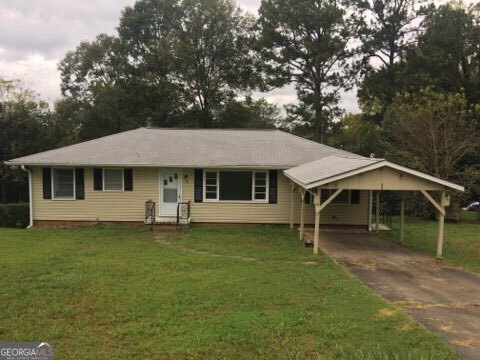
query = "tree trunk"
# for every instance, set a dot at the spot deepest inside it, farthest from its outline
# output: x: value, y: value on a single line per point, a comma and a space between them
x: 318, y: 116
x: 3, y: 192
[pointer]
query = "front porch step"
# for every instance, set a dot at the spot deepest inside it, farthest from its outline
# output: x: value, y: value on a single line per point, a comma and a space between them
x: 168, y: 221
x: 167, y: 227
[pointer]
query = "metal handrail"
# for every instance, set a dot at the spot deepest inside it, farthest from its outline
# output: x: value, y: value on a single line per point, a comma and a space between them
x: 182, y: 213
x: 150, y: 213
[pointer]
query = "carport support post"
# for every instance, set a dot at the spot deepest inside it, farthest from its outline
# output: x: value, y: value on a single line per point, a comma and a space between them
x: 302, y: 214
x: 377, y: 212
x: 441, y: 225
x: 402, y: 216
x: 291, y: 205
x: 316, y: 200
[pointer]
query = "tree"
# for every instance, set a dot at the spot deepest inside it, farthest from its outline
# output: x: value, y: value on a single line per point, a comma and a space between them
x: 215, y: 60
x: 93, y: 78
x: 24, y: 122
x: 447, y: 56
x: 432, y: 131
x: 310, y: 43
x: 469, y: 176
x: 360, y: 136
x: 388, y: 31
x: 147, y: 35
x: 251, y: 114
x: 176, y: 62
x: 90, y: 66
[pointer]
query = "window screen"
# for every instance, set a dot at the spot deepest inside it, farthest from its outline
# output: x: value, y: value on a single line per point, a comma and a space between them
x: 113, y: 179
x: 170, y: 195
x: 63, y: 184
x: 236, y: 185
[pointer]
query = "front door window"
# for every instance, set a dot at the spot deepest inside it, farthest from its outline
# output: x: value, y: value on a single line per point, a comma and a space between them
x: 170, y: 192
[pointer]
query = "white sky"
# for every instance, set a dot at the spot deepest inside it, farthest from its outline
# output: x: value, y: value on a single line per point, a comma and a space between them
x: 36, y: 34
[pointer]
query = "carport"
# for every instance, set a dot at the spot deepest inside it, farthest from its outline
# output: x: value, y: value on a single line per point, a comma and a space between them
x: 338, y: 173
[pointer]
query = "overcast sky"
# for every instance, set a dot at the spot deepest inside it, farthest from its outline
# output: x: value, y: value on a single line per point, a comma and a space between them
x: 36, y: 34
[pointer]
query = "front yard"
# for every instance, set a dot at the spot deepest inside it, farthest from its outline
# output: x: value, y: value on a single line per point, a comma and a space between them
x: 211, y: 292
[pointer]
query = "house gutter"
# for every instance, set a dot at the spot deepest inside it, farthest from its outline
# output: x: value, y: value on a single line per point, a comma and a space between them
x: 30, y: 197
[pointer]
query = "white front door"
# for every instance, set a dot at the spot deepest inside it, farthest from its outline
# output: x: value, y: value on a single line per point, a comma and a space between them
x: 170, y: 191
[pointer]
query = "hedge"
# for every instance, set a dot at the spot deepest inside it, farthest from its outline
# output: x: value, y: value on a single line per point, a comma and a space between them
x: 14, y: 215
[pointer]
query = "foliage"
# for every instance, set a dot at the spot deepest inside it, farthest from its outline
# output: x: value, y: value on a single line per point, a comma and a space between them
x: 14, y: 215
x: 432, y: 131
x: 24, y: 129
x: 251, y: 114
x: 213, y: 49
x: 171, y: 61
x: 388, y: 32
x: 447, y: 57
x: 469, y: 177
x: 123, y: 294
x: 358, y: 135
x: 312, y: 44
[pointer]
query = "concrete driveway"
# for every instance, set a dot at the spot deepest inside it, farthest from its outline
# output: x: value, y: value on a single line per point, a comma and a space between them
x: 444, y: 299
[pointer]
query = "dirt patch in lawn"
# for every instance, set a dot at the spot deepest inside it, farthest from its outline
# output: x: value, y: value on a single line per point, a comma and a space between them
x: 162, y: 239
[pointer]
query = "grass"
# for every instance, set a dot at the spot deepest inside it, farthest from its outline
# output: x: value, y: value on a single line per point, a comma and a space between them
x: 470, y: 217
x: 106, y: 292
x: 461, y: 241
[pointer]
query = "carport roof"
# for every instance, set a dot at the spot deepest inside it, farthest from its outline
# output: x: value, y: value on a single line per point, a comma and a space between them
x: 334, y: 167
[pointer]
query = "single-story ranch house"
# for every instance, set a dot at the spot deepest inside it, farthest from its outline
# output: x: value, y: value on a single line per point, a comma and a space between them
x: 212, y: 175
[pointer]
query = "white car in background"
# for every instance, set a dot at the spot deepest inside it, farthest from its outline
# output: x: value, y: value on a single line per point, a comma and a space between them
x: 474, y: 206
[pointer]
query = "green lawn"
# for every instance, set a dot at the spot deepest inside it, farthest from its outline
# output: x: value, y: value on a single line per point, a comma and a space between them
x: 115, y: 292
x: 470, y: 217
x: 461, y: 244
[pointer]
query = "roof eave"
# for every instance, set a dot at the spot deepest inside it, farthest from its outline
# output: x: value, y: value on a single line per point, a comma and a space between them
x: 296, y: 181
x: 204, y: 166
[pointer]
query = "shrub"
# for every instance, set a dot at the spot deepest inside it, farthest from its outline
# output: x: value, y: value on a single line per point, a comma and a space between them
x: 14, y: 215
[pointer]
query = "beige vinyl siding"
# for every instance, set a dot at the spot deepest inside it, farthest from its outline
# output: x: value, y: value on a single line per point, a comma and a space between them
x: 130, y: 205
x: 238, y: 212
x: 98, y: 205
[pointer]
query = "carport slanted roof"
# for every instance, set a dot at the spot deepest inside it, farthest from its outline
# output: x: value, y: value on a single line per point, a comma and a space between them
x: 334, y: 167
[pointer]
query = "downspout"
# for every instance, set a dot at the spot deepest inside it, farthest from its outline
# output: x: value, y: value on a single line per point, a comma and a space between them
x: 370, y: 208
x: 30, y: 197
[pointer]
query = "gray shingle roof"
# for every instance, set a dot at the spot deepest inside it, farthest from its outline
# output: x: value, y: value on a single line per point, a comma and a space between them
x: 327, y: 167
x: 189, y: 148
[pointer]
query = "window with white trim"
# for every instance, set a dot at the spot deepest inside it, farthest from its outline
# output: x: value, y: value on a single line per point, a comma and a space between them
x: 236, y: 185
x: 113, y: 180
x: 211, y: 185
x: 63, y: 183
x: 260, y: 182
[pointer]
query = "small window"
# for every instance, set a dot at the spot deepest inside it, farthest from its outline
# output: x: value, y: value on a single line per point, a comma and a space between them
x: 63, y: 183
x: 211, y: 185
x: 309, y: 198
x: 260, y: 186
x: 341, y: 199
x: 113, y: 179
